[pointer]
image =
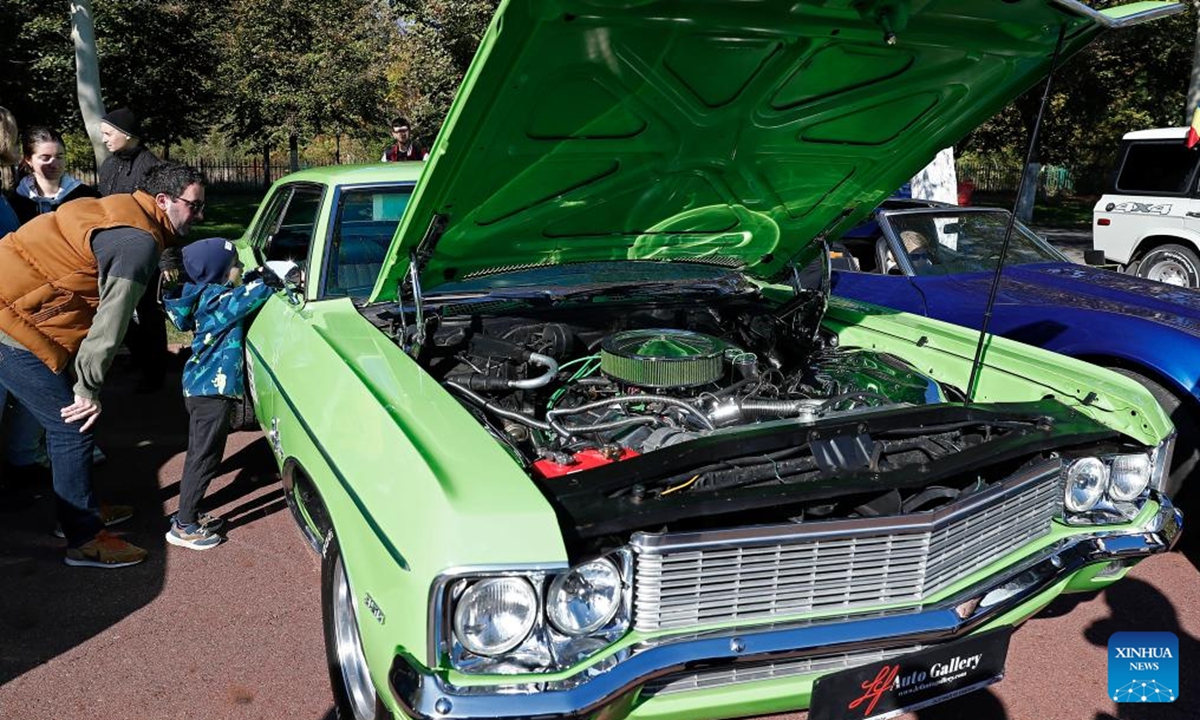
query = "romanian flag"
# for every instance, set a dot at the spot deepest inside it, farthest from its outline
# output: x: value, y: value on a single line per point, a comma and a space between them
x: 1193, y: 135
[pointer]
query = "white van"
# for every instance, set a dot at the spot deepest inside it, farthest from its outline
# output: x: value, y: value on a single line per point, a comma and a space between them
x: 1148, y: 221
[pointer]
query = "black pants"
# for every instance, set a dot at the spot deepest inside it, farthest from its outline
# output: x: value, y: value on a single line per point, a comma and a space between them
x: 208, y: 429
x: 147, y: 338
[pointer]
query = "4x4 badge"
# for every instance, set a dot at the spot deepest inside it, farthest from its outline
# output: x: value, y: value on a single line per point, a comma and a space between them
x: 1140, y: 208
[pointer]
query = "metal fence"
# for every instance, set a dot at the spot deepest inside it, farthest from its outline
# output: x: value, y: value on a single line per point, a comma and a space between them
x: 233, y: 174
x: 1053, y: 180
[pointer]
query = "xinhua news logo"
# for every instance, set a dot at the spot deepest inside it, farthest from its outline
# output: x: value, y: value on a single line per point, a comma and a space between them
x: 1143, y: 667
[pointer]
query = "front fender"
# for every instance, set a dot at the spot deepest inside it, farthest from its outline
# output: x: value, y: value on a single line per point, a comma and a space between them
x: 412, y: 484
x: 1012, y: 371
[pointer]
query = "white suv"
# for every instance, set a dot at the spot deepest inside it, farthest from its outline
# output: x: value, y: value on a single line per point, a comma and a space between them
x: 1148, y: 221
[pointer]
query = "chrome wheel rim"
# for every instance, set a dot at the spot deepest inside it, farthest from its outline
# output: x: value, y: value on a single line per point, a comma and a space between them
x: 355, y: 677
x: 1171, y: 272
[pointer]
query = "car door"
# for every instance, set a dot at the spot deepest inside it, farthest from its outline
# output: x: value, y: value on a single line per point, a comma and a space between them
x: 284, y: 232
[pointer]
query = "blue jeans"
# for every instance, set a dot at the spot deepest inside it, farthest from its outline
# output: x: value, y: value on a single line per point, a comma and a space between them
x: 44, y: 394
x: 24, y: 433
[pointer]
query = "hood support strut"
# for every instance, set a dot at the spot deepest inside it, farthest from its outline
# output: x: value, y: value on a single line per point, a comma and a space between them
x: 1029, y: 155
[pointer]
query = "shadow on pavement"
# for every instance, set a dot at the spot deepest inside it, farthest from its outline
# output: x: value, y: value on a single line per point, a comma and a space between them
x: 980, y: 705
x: 1138, y: 607
x: 46, y: 607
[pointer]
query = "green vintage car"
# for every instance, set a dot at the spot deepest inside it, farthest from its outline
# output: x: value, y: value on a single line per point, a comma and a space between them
x: 578, y: 430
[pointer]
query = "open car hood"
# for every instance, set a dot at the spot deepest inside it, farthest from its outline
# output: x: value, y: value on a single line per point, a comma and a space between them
x: 737, y: 133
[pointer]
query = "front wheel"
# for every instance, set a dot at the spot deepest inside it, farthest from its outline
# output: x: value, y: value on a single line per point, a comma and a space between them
x: 1187, y: 429
x: 353, y: 692
x: 1171, y: 264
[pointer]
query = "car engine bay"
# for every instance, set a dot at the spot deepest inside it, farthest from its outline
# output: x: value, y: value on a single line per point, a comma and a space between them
x: 683, y: 412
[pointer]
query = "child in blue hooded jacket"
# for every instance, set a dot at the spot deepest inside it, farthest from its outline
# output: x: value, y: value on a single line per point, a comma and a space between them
x: 212, y: 303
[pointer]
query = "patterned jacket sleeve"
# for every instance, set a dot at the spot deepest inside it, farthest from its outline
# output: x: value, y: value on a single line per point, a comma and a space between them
x: 234, y: 304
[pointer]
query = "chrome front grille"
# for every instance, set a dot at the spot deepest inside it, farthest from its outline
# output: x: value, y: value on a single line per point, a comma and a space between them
x: 759, y: 573
x: 736, y: 675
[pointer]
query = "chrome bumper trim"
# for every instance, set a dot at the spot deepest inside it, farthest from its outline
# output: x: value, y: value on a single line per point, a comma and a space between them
x: 611, y: 695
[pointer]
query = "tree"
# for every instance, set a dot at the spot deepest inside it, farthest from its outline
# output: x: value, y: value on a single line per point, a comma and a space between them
x: 292, y: 68
x: 160, y: 58
x: 1129, y: 79
x: 436, y: 42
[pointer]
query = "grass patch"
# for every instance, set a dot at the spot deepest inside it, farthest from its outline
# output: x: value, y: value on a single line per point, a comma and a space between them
x: 227, y: 213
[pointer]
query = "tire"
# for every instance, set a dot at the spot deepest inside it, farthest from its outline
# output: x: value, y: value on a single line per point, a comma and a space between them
x: 354, y: 694
x: 1171, y: 264
x: 1187, y: 451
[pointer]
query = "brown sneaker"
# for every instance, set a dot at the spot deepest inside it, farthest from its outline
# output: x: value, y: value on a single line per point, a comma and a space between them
x: 105, y: 551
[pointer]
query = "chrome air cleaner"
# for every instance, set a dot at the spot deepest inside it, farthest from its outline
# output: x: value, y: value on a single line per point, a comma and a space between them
x: 663, y: 358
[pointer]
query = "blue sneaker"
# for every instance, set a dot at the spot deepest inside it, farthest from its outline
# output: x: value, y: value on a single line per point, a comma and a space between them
x: 194, y: 536
x: 212, y: 523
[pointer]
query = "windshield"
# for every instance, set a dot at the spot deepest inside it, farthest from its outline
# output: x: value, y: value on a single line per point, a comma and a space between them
x: 366, y: 220
x: 956, y: 241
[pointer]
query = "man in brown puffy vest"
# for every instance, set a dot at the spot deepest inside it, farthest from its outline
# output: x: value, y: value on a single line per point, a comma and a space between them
x: 69, y: 282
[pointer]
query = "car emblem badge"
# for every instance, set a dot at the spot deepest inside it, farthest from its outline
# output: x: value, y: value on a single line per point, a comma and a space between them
x: 373, y: 607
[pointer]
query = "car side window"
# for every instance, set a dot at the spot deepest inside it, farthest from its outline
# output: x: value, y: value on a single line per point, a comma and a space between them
x: 1161, y: 168
x: 293, y: 234
x: 363, y: 228
x: 270, y: 217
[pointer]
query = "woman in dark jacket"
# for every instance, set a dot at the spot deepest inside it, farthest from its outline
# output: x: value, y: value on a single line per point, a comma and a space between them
x: 123, y: 171
x: 46, y: 186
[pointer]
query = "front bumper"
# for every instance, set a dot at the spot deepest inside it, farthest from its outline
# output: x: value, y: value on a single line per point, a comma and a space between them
x: 612, y: 694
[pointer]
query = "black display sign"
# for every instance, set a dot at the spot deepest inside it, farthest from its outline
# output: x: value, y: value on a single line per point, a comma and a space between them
x: 911, y: 681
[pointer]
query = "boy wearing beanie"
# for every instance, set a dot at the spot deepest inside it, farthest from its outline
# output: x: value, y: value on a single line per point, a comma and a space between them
x: 213, y: 304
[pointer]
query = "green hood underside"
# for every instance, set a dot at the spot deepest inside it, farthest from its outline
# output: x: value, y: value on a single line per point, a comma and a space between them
x: 736, y: 133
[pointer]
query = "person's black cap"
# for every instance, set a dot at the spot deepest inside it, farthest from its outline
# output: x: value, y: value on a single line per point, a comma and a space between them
x: 124, y: 120
x: 208, y: 260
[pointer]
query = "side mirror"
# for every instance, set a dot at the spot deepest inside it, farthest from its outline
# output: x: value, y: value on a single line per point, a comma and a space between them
x: 292, y: 275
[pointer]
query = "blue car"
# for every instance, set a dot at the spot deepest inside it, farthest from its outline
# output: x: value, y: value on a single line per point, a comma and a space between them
x: 940, y: 261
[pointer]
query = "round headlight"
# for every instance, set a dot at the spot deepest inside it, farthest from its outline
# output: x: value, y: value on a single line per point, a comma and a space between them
x: 494, y: 616
x: 1129, y: 477
x: 1086, y: 480
x: 585, y: 598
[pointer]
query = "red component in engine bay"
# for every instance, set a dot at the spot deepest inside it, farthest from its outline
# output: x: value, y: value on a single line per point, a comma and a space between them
x: 583, y: 460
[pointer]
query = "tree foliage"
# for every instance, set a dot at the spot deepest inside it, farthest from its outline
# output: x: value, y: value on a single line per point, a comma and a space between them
x: 292, y: 68
x: 1130, y: 79
x: 431, y: 53
x: 158, y: 58
x: 268, y: 70
x: 155, y: 57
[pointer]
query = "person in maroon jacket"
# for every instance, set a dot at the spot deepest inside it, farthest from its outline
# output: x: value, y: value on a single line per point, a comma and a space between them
x: 404, y: 148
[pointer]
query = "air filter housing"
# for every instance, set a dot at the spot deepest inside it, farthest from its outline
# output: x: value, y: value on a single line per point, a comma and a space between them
x: 663, y: 358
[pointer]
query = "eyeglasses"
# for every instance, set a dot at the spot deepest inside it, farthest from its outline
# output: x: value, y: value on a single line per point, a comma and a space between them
x: 197, y: 206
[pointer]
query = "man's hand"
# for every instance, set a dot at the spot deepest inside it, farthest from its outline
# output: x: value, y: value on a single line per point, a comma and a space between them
x: 82, y: 409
